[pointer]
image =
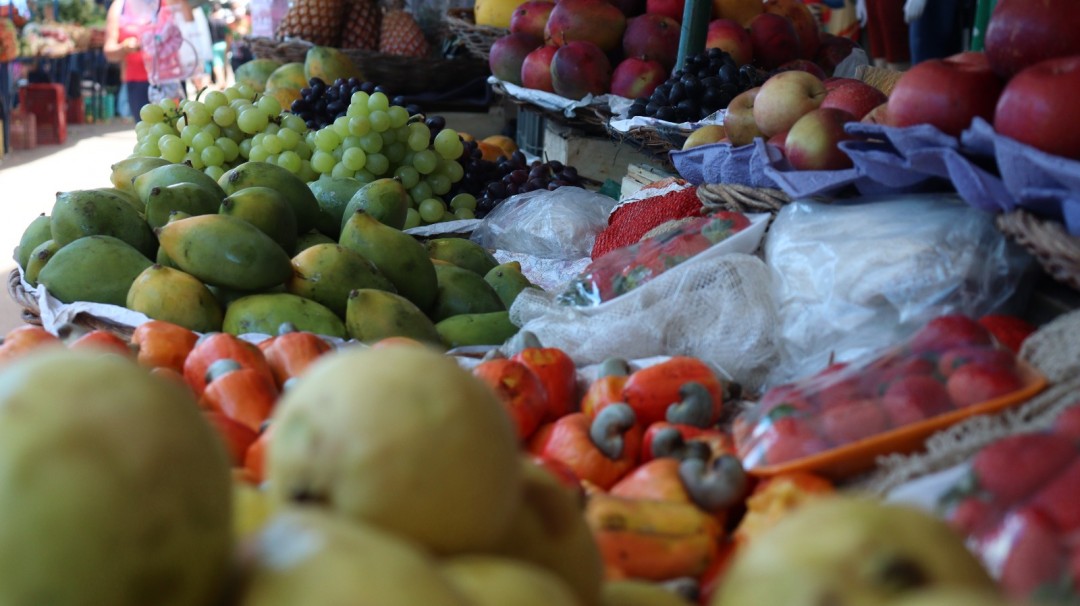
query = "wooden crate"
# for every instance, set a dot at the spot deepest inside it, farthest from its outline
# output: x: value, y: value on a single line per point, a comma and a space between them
x: 597, y: 158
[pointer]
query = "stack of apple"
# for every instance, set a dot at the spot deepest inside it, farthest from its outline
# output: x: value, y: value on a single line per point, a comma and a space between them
x: 578, y: 47
x: 1025, y: 83
x: 803, y: 115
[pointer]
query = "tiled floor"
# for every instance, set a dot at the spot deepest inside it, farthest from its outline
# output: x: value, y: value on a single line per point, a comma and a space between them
x: 30, y: 179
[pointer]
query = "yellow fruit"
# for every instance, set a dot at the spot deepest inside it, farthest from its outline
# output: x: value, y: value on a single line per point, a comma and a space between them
x: 710, y: 133
x: 495, y: 581
x: 285, y: 95
x: 738, y: 10
x: 506, y: 144
x: 402, y: 438
x: 495, y: 13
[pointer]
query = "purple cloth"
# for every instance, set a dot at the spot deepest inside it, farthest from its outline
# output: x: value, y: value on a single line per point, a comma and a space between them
x: 723, y: 163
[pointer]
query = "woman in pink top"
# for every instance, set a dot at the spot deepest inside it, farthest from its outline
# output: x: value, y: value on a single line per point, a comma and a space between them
x: 125, y: 24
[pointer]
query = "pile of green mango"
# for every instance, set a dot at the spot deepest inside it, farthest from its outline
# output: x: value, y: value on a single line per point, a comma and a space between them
x: 259, y: 248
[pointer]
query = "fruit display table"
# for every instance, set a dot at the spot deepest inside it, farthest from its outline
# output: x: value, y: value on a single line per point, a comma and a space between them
x: 387, y: 355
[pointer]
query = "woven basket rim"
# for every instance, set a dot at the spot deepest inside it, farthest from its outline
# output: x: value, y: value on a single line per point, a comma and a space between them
x: 1046, y: 239
x: 31, y: 312
x: 742, y: 198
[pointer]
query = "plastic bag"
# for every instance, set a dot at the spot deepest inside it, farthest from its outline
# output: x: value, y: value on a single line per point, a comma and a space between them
x: 560, y: 224
x: 884, y: 403
x: 627, y: 268
x: 855, y: 279
x: 718, y: 309
x: 1015, y: 503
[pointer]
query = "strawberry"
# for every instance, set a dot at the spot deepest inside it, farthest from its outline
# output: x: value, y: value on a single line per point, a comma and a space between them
x: 946, y: 332
x: 791, y: 438
x: 1068, y: 421
x: 1035, y: 556
x: 973, y: 516
x: 1010, y: 331
x: 1059, y: 499
x: 853, y: 420
x: 1014, y: 467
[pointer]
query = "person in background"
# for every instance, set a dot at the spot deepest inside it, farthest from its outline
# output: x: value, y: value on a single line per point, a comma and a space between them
x: 937, y: 27
x: 221, y: 34
x: 126, y: 24
x: 886, y: 31
x: 241, y: 27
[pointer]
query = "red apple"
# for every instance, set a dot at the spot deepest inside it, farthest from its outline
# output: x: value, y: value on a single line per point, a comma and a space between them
x: 978, y: 382
x: 913, y: 398
x: 786, y: 97
x: 774, y: 40
x: 653, y: 38
x: 1038, y: 107
x: 739, y: 120
x: 536, y: 69
x: 634, y: 78
x: 804, y: 65
x: 579, y: 69
x: 731, y: 37
x: 595, y: 21
x: 855, y: 97
x: 531, y: 17
x: 508, y: 53
x: 1022, y: 33
x: 813, y: 141
x: 832, y: 82
x: 878, y: 115
x: 668, y: 8
x: 778, y: 140
x: 832, y: 51
x: 806, y: 26
x: 946, y: 93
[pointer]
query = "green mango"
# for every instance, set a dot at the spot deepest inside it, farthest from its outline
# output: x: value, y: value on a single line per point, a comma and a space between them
x: 333, y: 194
x: 125, y: 171
x: 311, y: 238
x: 37, y: 232
x: 162, y: 258
x: 38, y: 258
x: 508, y: 281
x: 167, y: 175
x: 463, y: 253
x: 255, y: 73
x: 98, y: 269
x: 461, y: 291
x: 186, y: 197
x: 97, y: 212
x: 385, y: 199
x: 491, y: 328
x: 225, y: 251
x: 264, y: 174
x: 265, y: 208
x: 372, y: 315
x: 265, y: 313
x: 399, y: 256
x: 327, y: 273
x: 226, y: 296
x: 129, y: 197
x: 168, y: 294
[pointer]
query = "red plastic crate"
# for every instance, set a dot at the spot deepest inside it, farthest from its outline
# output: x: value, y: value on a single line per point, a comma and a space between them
x: 47, y: 102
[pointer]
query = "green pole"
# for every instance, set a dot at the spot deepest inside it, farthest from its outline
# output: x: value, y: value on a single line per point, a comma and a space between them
x: 695, y: 24
x: 982, y: 18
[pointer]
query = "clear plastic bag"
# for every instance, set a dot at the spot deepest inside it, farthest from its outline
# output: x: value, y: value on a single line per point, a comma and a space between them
x: 627, y: 268
x: 853, y: 279
x: 559, y: 224
x: 840, y: 419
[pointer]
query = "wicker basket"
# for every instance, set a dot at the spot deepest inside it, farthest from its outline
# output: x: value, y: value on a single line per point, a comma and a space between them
x: 477, y: 39
x: 401, y: 75
x: 591, y: 120
x: 1056, y: 250
x: 31, y: 313
x: 881, y: 78
x: 742, y: 198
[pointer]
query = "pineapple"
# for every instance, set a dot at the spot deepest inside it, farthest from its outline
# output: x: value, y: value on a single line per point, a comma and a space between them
x: 317, y: 21
x: 362, y: 25
x: 401, y: 35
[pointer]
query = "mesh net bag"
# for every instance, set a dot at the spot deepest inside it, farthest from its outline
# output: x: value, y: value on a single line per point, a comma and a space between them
x: 719, y: 310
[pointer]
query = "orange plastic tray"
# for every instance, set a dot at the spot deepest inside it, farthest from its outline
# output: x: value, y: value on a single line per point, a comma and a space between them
x: 859, y: 456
